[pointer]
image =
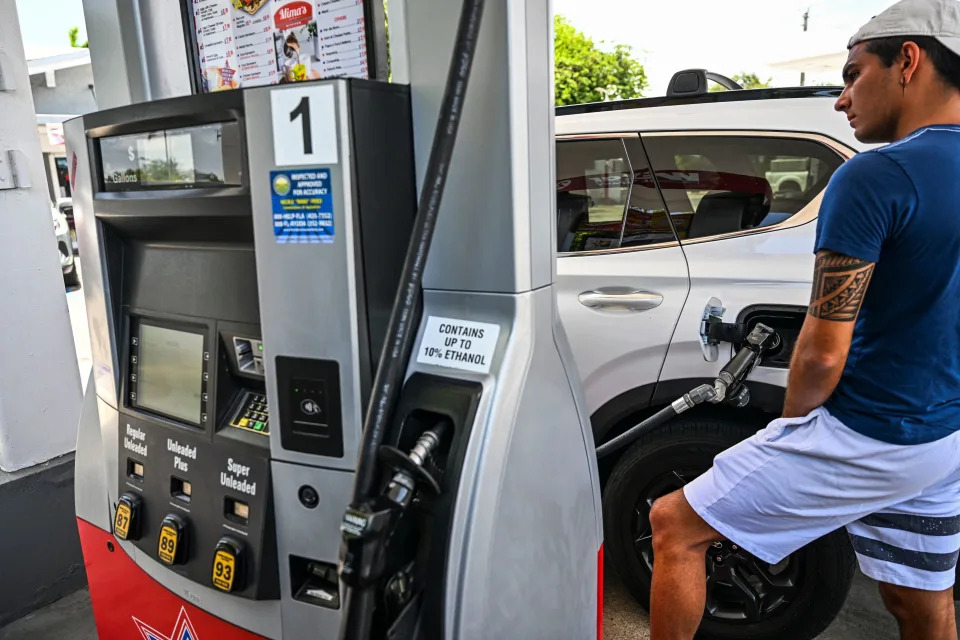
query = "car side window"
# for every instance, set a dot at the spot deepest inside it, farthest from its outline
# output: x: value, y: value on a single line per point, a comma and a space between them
x: 647, y: 221
x: 593, y: 185
x: 715, y: 185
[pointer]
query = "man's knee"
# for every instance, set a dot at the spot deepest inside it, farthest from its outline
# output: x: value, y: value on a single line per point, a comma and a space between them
x: 677, y: 527
x: 906, y: 604
x: 896, y: 599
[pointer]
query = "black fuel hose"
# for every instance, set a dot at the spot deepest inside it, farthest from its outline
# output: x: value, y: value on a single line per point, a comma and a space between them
x: 407, y: 309
x: 701, y: 394
x: 407, y: 306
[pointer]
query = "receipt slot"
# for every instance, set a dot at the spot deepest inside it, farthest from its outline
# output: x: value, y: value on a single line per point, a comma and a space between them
x: 241, y: 255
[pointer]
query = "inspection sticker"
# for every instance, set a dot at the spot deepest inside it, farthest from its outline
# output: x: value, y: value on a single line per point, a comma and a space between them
x: 458, y: 344
x: 302, y: 206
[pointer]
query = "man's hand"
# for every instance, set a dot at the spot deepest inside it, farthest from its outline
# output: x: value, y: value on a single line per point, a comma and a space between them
x: 839, y: 286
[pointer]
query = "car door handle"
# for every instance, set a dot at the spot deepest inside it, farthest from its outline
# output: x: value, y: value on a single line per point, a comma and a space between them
x: 620, y: 299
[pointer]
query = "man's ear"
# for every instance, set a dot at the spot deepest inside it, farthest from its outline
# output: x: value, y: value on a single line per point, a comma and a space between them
x: 909, y: 60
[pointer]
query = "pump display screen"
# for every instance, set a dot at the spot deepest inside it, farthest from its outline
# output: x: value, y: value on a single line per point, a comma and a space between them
x: 171, y: 372
x: 202, y: 156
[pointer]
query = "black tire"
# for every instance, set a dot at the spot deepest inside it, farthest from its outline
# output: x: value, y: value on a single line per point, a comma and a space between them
x: 71, y: 279
x: 812, y: 583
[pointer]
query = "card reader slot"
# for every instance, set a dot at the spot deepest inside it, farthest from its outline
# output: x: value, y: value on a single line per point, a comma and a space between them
x: 315, y: 582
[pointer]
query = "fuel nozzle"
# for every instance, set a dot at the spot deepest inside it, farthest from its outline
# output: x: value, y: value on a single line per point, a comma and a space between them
x: 729, y: 384
x: 367, y: 525
x: 409, y: 468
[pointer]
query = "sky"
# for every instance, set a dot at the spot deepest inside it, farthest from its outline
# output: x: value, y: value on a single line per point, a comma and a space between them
x: 44, y: 23
x: 724, y: 36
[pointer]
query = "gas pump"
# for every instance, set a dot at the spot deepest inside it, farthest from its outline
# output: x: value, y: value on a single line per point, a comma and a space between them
x: 241, y: 255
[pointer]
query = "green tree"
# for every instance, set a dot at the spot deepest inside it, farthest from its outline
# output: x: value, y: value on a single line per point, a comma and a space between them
x: 74, y: 35
x: 584, y: 73
x: 747, y: 81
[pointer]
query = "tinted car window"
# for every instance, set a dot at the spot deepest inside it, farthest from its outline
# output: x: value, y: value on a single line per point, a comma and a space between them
x: 721, y: 184
x: 647, y: 220
x: 593, y: 185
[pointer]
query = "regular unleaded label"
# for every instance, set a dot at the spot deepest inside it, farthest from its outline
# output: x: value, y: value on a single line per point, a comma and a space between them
x: 458, y: 344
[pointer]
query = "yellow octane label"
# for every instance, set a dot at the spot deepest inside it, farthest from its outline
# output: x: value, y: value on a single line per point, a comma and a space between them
x: 167, y: 549
x: 224, y: 567
x: 121, y: 524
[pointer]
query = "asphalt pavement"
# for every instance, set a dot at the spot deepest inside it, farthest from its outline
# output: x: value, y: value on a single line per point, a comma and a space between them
x: 862, y: 619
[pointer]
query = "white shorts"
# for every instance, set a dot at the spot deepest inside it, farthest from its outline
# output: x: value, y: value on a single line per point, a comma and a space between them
x: 801, y: 478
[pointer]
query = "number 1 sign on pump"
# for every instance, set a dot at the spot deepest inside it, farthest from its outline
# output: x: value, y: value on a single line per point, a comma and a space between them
x: 304, y: 130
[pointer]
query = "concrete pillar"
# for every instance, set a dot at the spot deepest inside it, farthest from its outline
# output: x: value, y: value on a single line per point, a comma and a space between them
x: 506, y: 209
x: 138, y: 50
x: 39, y: 381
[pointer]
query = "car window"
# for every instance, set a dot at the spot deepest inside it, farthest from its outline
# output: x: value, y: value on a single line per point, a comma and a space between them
x: 593, y: 185
x: 647, y: 220
x: 721, y: 184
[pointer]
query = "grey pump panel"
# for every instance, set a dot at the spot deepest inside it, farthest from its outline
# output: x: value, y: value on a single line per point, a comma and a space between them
x: 237, y: 299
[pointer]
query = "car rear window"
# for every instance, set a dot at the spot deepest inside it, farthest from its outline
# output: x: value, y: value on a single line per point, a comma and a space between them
x: 714, y: 185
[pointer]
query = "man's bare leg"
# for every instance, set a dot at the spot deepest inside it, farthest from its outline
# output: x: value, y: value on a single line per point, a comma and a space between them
x: 679, y: 591
x: 921, y: 615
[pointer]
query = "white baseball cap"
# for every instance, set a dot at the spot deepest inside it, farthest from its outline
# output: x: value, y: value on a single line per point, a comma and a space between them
x: 938, y: 19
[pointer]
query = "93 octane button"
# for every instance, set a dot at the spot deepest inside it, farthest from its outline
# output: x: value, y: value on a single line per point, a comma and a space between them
x: 228, y: 565
x: 224, y: 567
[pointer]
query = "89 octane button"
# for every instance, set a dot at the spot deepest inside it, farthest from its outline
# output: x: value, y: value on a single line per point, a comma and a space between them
x: 172, y: 539
x: 227, y: 565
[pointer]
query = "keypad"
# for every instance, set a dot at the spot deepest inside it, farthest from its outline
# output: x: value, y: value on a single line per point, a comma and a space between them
x: 253, y: 414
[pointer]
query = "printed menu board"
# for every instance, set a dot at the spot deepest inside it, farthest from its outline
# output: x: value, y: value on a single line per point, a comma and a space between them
x: 253, y: 31
x: 343, y: 42
x: 218, y: 57
x: 248, y: 43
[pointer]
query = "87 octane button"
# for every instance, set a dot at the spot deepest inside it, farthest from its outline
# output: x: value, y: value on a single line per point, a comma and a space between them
x: 227, y: 565
x: 126, y: 524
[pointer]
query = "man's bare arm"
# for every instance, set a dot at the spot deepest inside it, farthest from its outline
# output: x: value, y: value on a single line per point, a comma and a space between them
x: 839, y: 286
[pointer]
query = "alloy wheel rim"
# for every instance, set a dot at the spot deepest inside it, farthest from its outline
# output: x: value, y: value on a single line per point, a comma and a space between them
x: 740, y: 587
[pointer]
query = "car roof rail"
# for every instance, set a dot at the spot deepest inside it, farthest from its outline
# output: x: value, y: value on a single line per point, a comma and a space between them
x: 747, y: 95
x: 694, y: 82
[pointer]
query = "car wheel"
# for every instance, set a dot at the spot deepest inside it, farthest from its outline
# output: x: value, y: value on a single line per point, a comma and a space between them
x: 71, y: 279
x: 795, y: 599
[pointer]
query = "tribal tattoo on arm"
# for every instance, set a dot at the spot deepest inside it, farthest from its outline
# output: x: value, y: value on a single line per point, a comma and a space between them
x: 839, y: 284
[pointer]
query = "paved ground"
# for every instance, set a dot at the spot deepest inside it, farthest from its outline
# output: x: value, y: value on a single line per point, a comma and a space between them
x: 862, y: 619
x: 70, y: 617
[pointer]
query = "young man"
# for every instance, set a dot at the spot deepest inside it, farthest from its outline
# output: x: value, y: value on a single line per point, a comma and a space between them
x: 870, y: 434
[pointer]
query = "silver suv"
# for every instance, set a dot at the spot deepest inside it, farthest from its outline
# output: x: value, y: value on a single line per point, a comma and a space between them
x: 681, y: 223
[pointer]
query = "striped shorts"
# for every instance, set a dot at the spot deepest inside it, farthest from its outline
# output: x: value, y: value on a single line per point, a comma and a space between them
x: 801, y: 478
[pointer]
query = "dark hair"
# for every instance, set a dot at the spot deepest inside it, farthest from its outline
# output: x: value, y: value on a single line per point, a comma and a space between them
x: 945, y: 61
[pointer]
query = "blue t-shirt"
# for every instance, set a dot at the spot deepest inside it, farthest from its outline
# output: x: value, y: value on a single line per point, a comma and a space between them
x: 899, y: 206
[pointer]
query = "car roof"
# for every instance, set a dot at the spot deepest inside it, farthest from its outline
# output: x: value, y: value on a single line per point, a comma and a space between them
x: 807, y: 110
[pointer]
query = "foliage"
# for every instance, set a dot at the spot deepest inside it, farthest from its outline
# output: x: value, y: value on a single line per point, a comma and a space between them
x: 585, y: 73
x: 747, y: 81
x: 74, y: 35
x: 386, y: 29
